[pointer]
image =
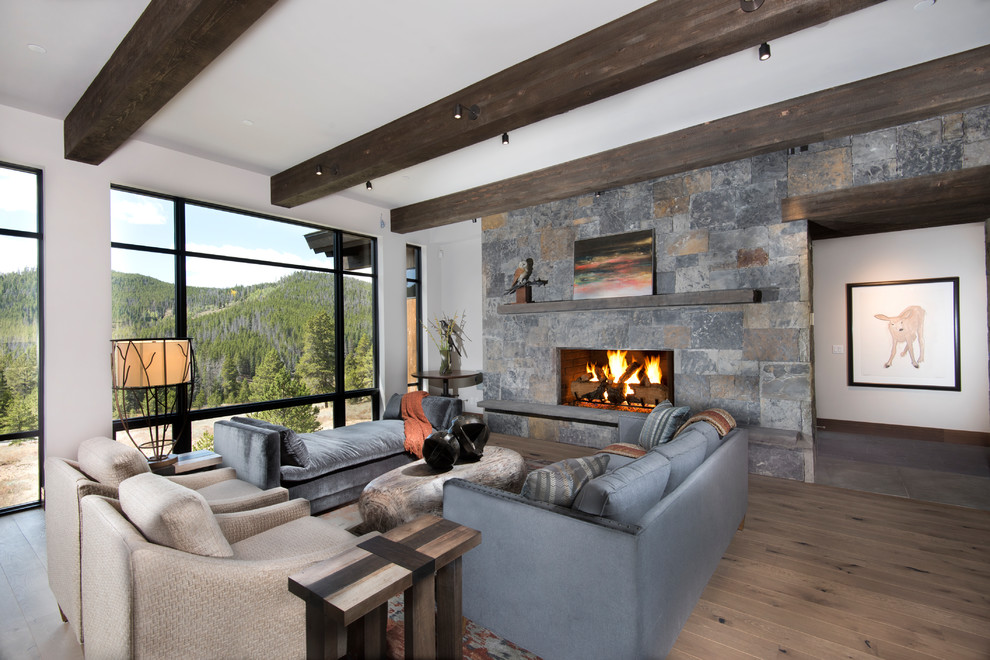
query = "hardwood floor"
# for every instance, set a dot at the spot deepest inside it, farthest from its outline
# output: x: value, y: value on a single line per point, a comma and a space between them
x: 817, y: 572
x: 822, y: 572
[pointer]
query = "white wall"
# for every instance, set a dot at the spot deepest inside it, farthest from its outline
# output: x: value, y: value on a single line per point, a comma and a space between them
x: 922, y: 253
x: 77, y: 259
x: 452, y: 268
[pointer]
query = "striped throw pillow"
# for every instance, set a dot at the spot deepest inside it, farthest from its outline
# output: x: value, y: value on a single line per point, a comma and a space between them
x: 662, y: 424
x: 720, y: 419
x: 560, y: 482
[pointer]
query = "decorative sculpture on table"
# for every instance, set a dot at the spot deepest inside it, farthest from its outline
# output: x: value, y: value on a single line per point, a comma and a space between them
x: 153, y: 388
x: 440, y: 450
x: 472, y: 434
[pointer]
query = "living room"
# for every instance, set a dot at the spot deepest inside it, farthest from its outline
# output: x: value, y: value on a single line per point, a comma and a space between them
x: 78, y: 301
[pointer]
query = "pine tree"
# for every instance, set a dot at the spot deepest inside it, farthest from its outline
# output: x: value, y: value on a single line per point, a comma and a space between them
x: 316, y: 367
x: 359, y: 366
x: 272, y: 382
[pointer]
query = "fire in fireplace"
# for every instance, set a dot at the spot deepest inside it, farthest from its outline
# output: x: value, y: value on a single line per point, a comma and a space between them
x: 633, y: 380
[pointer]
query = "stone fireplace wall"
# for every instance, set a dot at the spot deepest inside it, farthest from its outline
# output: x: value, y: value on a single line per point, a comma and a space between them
x: 714, y: 228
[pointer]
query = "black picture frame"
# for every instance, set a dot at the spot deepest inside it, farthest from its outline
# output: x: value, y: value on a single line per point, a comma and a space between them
x: 916, y: 349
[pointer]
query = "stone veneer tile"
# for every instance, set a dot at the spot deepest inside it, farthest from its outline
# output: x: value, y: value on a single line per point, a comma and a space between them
x: 786, y: 381
x: 952, y: 127
x: 557, y: 243
x: 737, y: 388
x: 976, y: 124
x: 976, y: 154
x: 817, y: 172
x: 698, y: 181
x: 671, y: 206
x: 491, y: 222
x: 750, y: 258
x: 676, y: 336
x: 773, y: 344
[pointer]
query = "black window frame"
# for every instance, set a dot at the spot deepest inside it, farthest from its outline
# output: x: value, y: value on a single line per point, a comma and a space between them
x: 39, y: 433
x: 339, y: 398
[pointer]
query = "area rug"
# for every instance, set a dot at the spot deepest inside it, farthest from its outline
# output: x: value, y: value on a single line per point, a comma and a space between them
x: 479, y: 643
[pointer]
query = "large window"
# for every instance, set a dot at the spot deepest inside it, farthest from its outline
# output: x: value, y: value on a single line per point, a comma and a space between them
x: 414, y: 317
x: 281, y: 315
x: 20, y: 337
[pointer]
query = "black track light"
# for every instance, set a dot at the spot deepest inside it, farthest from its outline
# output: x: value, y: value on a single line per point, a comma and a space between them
x: 472, y: 112
x: 319, y: 170
x: 764, y: 51
x: 750, y: 5
x: 505, y: 138
x: 367, y: 184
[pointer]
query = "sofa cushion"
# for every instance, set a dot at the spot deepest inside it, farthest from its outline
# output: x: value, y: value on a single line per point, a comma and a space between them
x: 628, y: 492
x: 662, y: 423
x: 347, y: 446
x: 560, y: 482
x: 719, y: 420
x: 110, y: 462
x: 172, y: 515
x: 393, y: 409
x: 441, y: 411
x: 685, y: 454
x: 291, y: 446
x: 712, y: 439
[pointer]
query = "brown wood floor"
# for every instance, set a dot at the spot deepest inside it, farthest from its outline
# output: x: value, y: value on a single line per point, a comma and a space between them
x: 822, y: 572
x: 817, y: 572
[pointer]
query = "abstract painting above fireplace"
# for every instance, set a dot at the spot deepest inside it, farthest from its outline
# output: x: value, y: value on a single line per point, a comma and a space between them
x: 621, y: 379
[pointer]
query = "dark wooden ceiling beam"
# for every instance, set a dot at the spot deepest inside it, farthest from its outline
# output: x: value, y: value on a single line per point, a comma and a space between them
x: 928, y: 201
x: 946, y: 85
x: 171, y: 42
x: 659, y: 40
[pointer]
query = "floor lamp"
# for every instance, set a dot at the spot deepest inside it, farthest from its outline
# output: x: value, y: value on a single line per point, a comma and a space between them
x: 155, y: 377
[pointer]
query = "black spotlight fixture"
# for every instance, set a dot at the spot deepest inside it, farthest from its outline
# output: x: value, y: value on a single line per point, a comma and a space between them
x: 505, y: 138
x: 472, y: 112
x: 750, y: 5
x: 764, y: 51
x: 367, y: 184
x: 319, y: 170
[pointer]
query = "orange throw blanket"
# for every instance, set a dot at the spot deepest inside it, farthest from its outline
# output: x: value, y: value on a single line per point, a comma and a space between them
x: 416, y: 423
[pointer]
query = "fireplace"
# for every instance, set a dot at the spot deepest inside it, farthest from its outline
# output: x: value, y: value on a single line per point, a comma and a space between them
x: 621, y: 379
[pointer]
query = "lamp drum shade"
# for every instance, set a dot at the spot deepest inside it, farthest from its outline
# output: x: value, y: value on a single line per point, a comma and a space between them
x: 151, y: 362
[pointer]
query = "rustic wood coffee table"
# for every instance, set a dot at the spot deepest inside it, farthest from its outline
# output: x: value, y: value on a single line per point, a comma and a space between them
x: 406, y: 493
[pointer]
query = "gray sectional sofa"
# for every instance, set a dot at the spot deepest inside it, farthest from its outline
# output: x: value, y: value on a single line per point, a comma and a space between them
x: 621, y: 581
x: 328, y: 468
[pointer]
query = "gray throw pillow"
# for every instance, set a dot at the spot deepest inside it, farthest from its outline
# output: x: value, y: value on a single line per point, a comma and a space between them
x: 393, y: 409
x: 292, y: 449
x: 628, y: 492
x: 110, y: 462
x: 661, y: 424
x: 172, y: 515
x: 560, y: 482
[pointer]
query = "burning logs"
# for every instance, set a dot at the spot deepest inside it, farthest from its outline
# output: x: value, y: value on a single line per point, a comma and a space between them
x: 631, y: 387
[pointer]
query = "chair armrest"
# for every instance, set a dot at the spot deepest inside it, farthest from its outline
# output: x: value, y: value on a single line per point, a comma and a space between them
x: 204, y: 479
x: 260, y: 499
x: 254, y: 452
x: 242, y: 524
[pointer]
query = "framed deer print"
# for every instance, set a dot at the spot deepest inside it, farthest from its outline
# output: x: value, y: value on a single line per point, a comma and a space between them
x: 904, y: 334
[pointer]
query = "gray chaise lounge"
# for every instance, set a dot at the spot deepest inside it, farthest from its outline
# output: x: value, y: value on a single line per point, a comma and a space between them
x: 336, y: 464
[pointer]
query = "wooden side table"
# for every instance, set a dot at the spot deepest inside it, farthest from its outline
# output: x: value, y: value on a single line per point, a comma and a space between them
x: 194, y: 461
x: 347, y: 596
x: 445, y: 378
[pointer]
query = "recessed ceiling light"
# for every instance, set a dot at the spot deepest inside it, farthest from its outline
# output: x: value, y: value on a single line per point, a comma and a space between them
x: 923, y: 4
x: 35, y: 48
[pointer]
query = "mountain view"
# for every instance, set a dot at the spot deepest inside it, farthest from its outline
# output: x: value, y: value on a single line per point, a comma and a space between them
x: 252, y: 343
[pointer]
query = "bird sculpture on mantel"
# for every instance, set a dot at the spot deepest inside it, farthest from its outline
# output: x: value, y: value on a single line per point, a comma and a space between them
x: 523, y: 276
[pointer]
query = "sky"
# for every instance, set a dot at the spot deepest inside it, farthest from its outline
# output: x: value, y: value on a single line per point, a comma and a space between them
x: 18, y: 210
x: 148, y: 220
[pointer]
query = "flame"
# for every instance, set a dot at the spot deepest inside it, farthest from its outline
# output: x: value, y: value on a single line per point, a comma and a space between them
x: 591, y: 370
x: 617, y: 364
x: 653, y: 372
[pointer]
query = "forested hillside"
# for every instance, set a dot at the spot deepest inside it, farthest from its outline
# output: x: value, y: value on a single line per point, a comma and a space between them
x: 235, y: 329
x: 19, y: 351
x: 252, y: 343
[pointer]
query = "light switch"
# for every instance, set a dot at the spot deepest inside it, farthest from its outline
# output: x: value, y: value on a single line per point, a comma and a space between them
x: 838, y: 349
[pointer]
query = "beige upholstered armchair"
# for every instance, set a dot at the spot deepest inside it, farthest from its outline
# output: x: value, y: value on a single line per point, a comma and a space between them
x: 163, y: 577
x: 103, y: 464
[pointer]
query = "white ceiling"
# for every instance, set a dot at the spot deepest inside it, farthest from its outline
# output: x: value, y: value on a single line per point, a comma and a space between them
x: 312, y: 74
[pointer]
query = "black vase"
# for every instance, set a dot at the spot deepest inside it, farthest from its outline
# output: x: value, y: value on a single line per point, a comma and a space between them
x: 472, y: 435
x: 440, y: 450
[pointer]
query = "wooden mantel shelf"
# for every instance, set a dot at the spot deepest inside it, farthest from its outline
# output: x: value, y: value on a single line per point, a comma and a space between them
x: 723, y: 297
